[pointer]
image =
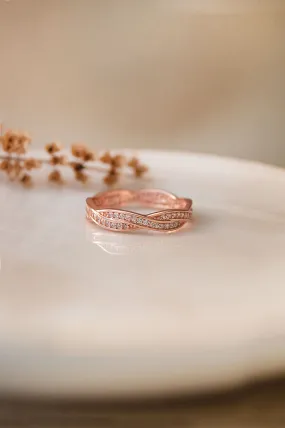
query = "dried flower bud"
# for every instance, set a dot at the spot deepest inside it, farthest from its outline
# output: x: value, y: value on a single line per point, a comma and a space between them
x: 58, y: 160
x: 32, y: 164
x: 77, y: 166
x: 106, y: 158
x: 80, y: 176
x: 118, y: 161
x: 140, y: 170
x: 112, y: 177
x: 22, y: 143
x: 55, y: 177
x: 9, y: 142
x: 52, y: 148
x: 78, y: 150
x: 24, y: 138
x: 26, y: 180
x: 133, y: 163
x: 113, y: 171
x: 11, y: 168
x: 4, y: 165
x: 89, y: 157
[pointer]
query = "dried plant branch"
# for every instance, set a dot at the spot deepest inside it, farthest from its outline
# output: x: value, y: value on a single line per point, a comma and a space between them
x: 15, y: 162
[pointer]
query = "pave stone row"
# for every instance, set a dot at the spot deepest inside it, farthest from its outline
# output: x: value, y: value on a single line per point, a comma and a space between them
x: 110, y: 219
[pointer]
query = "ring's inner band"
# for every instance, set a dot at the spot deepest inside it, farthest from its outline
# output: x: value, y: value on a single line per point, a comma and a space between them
x: 147, y: 198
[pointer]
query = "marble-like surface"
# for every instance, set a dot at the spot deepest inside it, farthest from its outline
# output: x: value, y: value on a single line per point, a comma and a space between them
x: 87, y: 313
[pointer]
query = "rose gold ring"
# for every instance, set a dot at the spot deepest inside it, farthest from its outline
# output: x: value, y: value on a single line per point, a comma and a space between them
x: 103, y: 209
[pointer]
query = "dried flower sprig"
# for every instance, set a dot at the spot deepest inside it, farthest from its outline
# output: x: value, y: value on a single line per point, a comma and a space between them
x: 17, y: 166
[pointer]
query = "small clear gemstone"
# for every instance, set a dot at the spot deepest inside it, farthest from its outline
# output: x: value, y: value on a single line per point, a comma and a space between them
x: 145, y: 221
x: 107, y: 223
x: 124, y: 226
x: 116, y: 215
x: 119, y: 226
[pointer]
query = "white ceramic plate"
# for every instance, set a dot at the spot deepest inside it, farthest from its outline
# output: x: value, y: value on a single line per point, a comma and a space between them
x: 90, y: 313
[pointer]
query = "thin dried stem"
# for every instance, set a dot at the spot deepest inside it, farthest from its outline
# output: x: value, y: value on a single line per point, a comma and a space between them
x: 16, y: 163
x: 90, y: 167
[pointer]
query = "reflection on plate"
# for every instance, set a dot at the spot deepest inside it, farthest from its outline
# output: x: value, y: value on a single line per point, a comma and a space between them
x: 119, y: 244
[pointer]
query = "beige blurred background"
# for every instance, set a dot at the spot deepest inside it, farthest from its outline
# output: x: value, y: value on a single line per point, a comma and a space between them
x: 201, y: 75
